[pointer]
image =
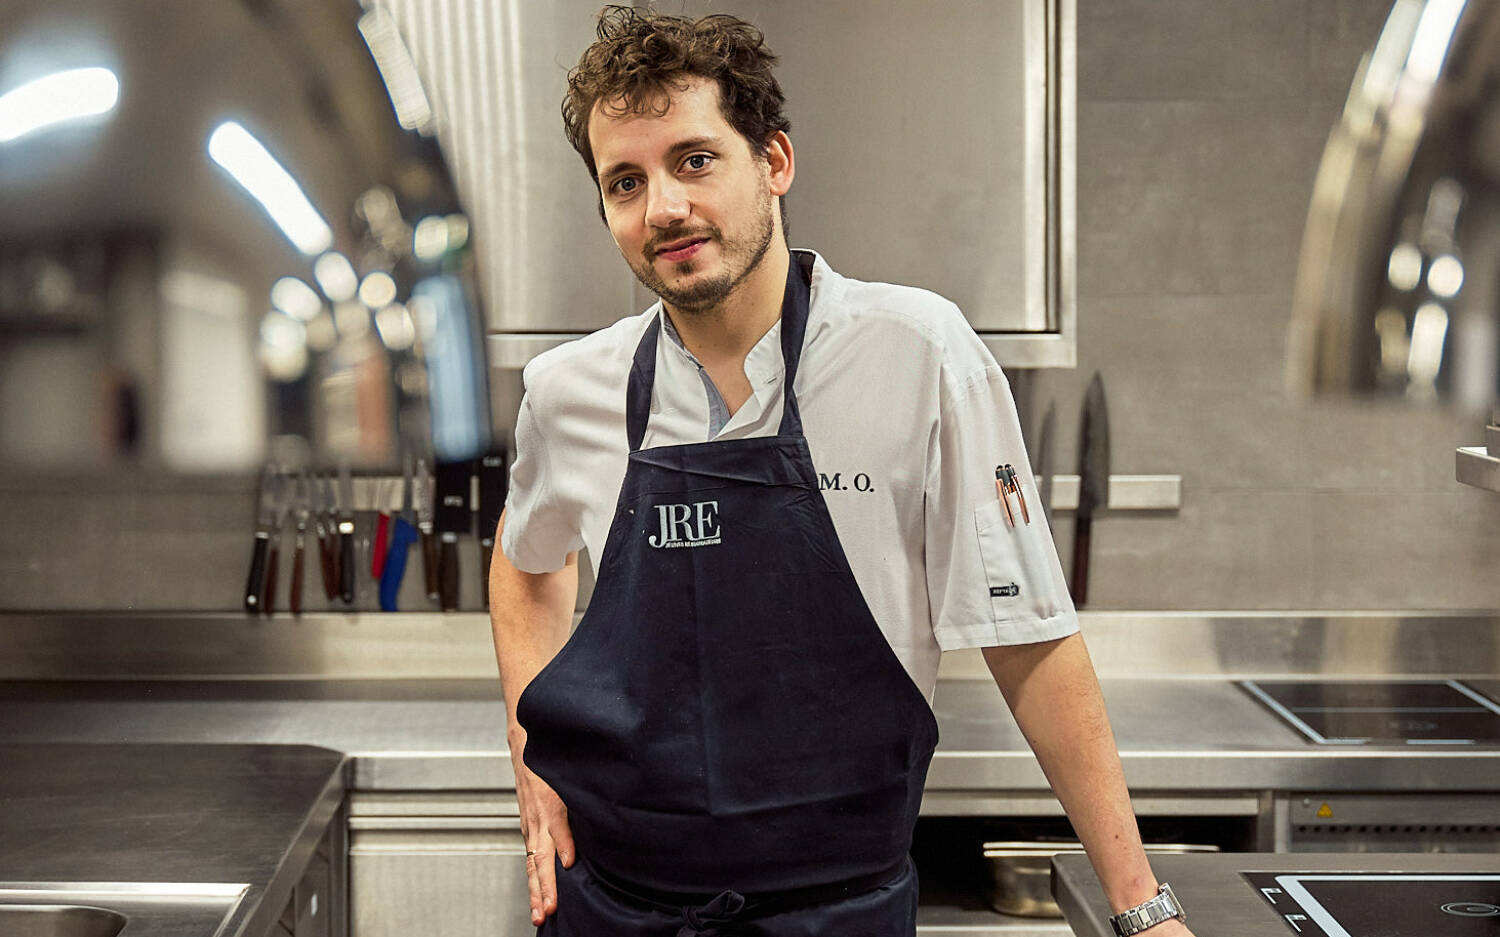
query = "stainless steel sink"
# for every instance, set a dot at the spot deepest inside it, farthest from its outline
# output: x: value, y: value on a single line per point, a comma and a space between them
x: 119, y: 909
x: 56, y: 920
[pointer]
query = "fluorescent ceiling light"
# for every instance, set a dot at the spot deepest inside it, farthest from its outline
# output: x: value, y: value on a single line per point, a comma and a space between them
x: 57, y: 98
x: 413, y: 110
x: 253, y: 167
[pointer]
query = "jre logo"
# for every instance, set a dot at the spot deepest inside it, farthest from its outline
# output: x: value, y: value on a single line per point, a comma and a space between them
x: 686, y: 525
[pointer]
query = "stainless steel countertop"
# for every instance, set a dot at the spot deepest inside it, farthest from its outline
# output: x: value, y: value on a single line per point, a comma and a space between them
x: 1220, y: 903
x: 1176, y: 735
x: 238, y: 815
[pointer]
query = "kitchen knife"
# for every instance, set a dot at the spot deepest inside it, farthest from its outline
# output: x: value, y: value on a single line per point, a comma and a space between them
x: 1093, y: 482
x: 1042, y: 468
x: 302, y: 504
x: 346, y: 534
x: 492, y: 490
x: 423, y: 493
x: 382, y: 532
x: 327, y: 527
x: 265, y: 517
x: 403, y: 535
x: 451, y: 518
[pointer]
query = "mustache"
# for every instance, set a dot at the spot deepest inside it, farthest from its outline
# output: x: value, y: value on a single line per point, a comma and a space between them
x: 671, y: 237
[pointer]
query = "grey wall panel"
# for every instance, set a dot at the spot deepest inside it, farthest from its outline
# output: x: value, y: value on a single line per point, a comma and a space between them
x: 920, y: 134
x: 496, y: 70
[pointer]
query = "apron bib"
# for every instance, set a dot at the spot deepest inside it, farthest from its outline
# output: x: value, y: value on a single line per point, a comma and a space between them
x: 728, y: 726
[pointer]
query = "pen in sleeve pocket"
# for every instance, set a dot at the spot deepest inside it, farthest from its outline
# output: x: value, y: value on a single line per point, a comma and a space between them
x: 1007, y: 482
x: 1000, y: 489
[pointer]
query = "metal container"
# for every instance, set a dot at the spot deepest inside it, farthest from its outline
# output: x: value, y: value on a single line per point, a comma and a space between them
x: 1021, y: 873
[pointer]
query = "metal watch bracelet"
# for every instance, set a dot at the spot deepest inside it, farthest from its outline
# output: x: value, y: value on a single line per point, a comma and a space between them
x: 1162, y: 907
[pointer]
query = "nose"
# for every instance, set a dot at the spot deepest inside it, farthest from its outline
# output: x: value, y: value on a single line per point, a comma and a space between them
x: 667, y: 203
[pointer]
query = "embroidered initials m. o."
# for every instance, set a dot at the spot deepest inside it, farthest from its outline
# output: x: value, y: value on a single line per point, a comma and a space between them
x: 686, y: 525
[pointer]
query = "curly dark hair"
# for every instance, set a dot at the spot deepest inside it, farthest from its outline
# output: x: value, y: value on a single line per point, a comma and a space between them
x: 641, y: 56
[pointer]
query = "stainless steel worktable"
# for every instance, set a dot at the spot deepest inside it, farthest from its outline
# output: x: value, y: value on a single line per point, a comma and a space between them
x: 244, y: 816
x: 1175, y: 734
x: 1221, y: 903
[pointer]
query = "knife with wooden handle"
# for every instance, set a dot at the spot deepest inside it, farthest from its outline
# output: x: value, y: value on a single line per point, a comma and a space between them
x: 1093, y: 482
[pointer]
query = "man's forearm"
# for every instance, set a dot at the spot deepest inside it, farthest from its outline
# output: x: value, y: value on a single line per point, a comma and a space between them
x: 1053, y: 692
x: 531, y: 616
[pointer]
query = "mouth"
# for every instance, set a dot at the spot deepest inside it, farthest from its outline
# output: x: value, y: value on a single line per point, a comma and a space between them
x: 678, y: 251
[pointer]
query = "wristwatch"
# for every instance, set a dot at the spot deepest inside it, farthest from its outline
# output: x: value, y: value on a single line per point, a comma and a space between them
x: 1163, y: 907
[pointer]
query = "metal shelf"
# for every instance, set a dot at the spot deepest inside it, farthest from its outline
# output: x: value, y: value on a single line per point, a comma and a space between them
x: 1475, y: 466
x: 1126, y: 493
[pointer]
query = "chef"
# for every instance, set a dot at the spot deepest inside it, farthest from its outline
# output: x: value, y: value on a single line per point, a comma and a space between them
x: 785, y: 482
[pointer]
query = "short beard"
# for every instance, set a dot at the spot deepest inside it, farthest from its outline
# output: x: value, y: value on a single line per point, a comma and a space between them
x: 708, y: 296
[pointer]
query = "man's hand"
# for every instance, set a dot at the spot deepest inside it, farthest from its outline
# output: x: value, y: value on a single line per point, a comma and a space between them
x: 544, y: 825
x: 532, y: 614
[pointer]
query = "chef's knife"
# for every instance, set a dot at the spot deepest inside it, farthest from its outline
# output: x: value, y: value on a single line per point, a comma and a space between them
x: 452, y: 517
x: 1093, y: 482
x: 302, y: 505
x: 403, y: 535
x: 1042, y: 469
x: 492, y: 489
x: 265, y: 517
x: 346, y: 534
x: 326, y: 526
x: 424, y: 495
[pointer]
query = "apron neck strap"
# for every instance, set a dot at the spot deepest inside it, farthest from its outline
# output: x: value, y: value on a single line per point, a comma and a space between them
x: 794, y: 304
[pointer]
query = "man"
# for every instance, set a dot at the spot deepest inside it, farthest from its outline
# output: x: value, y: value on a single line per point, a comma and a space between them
x: 736, y: 737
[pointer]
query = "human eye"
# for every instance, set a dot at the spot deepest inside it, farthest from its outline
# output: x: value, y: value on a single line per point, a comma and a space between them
x: 624, y: 185
x: 697, y: 161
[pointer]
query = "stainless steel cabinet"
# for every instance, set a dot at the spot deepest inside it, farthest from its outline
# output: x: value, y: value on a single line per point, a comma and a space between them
x: 437, y: 863
x: 935, y: 146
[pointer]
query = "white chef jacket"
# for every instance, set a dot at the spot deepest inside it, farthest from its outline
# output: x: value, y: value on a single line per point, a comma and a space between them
x: 907, y: 416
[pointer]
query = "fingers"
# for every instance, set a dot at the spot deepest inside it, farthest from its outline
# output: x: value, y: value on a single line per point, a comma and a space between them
x: 534, y: 888
x: 562, y: 839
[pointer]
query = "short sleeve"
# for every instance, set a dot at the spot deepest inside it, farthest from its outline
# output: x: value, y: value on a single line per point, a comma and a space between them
x: 539, y: 533
x: 990, y: 581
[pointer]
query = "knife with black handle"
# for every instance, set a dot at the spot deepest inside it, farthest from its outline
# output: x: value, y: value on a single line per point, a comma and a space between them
x: 265, y: 517
x: 346, y: 535
x: 492, y: 489
x: 423, y: 492
x: 1093, y: 481
x: 452, y: 518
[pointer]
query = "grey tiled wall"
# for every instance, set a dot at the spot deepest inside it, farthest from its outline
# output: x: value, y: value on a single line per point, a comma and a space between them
x: 1201, y: 123
x: 1200, y: 127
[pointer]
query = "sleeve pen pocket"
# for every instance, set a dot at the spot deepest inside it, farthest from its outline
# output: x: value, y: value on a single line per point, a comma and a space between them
x: 1015, y: 565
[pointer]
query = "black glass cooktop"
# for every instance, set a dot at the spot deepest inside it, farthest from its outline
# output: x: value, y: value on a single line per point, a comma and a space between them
x: 1363, y: 712
x: 1360, y: 904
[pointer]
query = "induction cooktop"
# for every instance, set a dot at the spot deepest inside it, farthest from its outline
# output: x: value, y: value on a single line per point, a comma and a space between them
x: 1382, y: 712
x: 1391, y: 904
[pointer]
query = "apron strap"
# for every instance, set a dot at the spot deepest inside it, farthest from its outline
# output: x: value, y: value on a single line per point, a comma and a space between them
x: 794, y: 304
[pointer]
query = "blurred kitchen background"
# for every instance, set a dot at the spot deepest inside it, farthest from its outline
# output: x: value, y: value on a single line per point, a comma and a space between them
x: 1292, y: 603
x: 1198, y: 134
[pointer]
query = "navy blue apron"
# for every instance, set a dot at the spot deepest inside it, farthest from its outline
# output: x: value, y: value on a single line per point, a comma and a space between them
x: 736, y: 743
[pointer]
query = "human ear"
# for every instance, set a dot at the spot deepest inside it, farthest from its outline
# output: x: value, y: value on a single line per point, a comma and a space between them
x: 782, y: 162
